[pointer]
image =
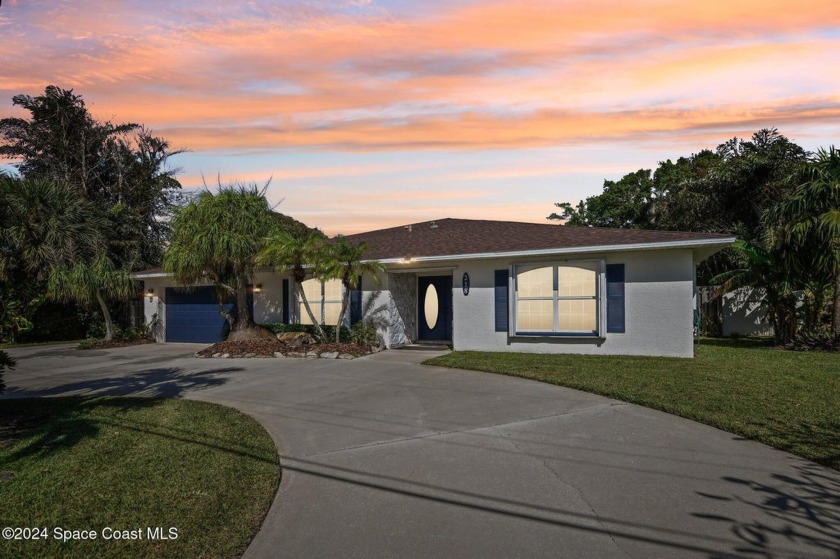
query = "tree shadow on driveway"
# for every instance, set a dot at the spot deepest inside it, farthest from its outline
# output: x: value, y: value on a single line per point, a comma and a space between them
x: 802, y: 509
x: 163, y: 382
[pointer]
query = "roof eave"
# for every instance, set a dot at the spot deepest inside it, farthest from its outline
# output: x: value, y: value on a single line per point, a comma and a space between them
x: 721, y: 243
x: 151, y: 275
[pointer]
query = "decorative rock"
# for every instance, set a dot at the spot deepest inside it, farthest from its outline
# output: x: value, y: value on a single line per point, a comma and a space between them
x: 295, y: 354
x: 226, y: 356
x: 249, y: 355
x: 217, y: 354
x: 295, y: 339
x: 329, y: 355
x: 346, y: 356
x: 279, y: 355
x: 311, y: 355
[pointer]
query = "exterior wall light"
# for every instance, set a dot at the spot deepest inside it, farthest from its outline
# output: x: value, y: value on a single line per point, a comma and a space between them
x: 150, y: 293
x: 258, y: 288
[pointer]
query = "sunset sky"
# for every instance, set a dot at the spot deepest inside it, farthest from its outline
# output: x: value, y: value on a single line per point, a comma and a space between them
x: 371, y: 113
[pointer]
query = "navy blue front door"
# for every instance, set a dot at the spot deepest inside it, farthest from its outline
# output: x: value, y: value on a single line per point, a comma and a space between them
x: 434, y: 321
x: 193, y: 316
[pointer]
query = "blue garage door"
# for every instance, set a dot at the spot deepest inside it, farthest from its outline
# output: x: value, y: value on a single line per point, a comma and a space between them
x: 193, y: 316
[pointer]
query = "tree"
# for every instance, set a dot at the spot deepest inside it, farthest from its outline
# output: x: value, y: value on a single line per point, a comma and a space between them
x: 51, y: 237
x: 722, y: 191
x: 346, y: 264
x: 93, y: 282
x: 19, y: 301
x: 763, y: 269
x: 142, y: 192
x: 751, y: 177
x: 284, y: 250
x: 809, y: 226
x: 61, y: 142
x: 625, y: 203
x: 121, y: 168
x: 216, y: 238
x: 44, y: 225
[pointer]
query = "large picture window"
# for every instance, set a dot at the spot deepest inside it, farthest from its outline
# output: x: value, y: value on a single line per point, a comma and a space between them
x: 556, y: 298
x: 324, y: 300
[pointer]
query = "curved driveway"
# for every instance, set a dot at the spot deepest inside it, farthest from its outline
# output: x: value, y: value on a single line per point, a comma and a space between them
x: 383, y: 457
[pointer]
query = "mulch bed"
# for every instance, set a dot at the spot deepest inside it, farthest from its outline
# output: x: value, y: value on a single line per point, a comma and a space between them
x: 267, y: 348
x: 115, y: 343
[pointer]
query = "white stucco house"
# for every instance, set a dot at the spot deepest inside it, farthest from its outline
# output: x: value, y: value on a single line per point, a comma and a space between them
x: 489, y: 286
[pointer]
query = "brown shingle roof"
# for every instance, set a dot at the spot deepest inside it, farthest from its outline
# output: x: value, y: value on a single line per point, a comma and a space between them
x: 447, y: 237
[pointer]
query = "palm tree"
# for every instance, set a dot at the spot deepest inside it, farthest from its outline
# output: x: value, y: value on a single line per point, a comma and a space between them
x: 765, y: 270
x: 52, y: 235
x: 44, y: 225
x: 346, y: 264
x: 284, y: 250
x: 809, y: 222
x: 217, y: 237
x: 86, y: 283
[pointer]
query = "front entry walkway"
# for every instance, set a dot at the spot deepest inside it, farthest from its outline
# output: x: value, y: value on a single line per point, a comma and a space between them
x: 383, y: 457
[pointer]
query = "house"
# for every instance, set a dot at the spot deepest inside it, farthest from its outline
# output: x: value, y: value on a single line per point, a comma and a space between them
x: 489, y: 286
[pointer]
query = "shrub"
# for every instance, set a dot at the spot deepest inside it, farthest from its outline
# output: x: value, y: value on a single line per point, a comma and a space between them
x: 88, y: 343
x: 55, y: 321
x: 814, y: 341
x: 129, y: 334
x: 364, y: 333
x: 280, y: 328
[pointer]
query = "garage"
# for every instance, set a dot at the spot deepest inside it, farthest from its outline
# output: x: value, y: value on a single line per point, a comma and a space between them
x: 192, y: 316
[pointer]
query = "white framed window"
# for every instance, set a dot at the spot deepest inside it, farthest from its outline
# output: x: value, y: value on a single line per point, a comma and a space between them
x: 324, y: 300
x: 557, y: 298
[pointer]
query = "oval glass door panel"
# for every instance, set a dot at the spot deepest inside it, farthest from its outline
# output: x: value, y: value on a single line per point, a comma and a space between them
x: 431, y: 306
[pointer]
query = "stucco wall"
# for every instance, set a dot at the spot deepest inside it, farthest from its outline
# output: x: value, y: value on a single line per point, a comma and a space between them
x: 268, y: 303
x: 379, y: 306
x: 154, y: 307
x: 403, y: 289
x: 744, y: 313
x: 658, y: 309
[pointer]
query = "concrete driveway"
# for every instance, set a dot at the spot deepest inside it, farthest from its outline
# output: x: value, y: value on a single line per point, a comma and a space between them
x: 383, y: 457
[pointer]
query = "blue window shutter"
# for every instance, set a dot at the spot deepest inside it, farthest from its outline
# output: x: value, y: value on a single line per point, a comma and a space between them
x: 501, y: 300
x: 615, y: 298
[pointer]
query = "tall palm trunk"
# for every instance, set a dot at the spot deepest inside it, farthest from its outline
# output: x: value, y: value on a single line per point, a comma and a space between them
x: 345, y: 302
x: 302, y: 299
x: 109, y: 323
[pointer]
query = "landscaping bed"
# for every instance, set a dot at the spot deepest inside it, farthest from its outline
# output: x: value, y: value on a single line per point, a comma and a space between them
x: 125, y: 464
x: 786, y: 399
x: 275, y: 348
x: 102, y: 344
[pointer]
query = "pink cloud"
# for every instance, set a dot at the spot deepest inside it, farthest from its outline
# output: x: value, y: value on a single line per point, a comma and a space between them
x: 219, y: 76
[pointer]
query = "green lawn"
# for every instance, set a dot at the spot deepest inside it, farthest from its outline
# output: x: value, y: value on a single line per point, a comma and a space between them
x: 132, y: 463
x: 790, y: 400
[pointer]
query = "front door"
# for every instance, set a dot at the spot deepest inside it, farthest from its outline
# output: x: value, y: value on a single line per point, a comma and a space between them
x: 434, y: 307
